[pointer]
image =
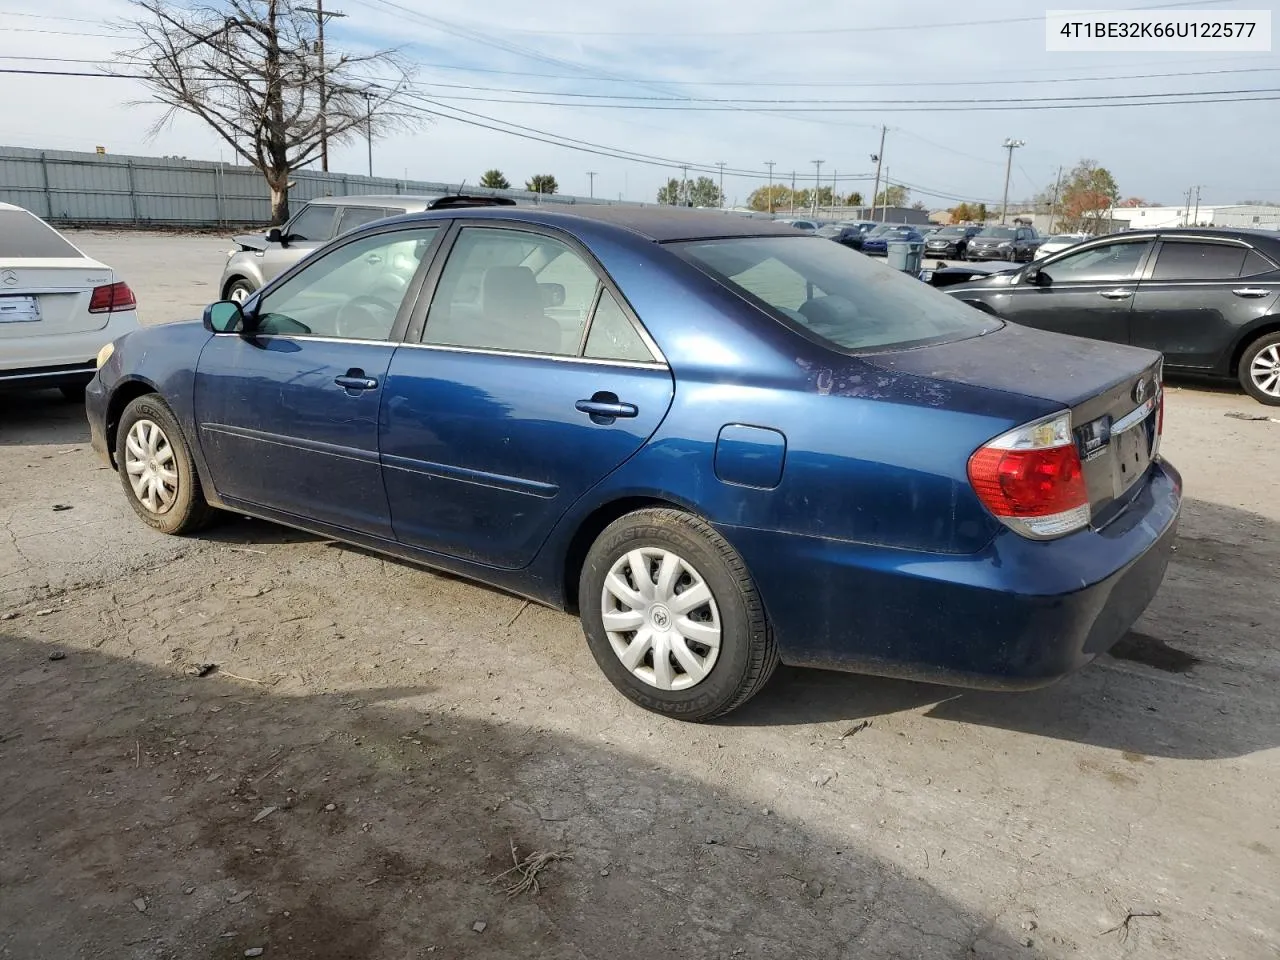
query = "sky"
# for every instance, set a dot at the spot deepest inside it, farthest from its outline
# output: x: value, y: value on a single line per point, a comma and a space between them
x: 686, y: 52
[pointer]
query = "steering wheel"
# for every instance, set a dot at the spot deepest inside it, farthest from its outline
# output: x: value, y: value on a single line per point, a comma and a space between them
x: 365, y: 317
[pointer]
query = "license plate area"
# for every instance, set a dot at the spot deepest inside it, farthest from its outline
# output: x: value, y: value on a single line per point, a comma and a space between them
x: 19, y: 309
x: 1131, y: 455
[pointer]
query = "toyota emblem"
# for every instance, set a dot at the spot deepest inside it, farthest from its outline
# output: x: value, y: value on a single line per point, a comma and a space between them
x: 1140, y: 391
x: 8, y: 278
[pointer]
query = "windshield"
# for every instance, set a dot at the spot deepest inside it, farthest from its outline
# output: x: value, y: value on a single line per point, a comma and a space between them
x: 950, y: 232
x: 23, y: 236
x: 1004, y: 233
x: 1063, y: 238
x: 830, y: 231
x: 835, y: 294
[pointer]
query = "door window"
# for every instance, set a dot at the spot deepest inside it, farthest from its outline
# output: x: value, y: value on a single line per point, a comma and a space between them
x: 1198, y: 261
x: 509, y: 290
x: 613, y: 336
x: 353, y: 292
x: 1255, y: 263
x: 1111, y: 261
x: 353, y: 217
x: 315, y: 222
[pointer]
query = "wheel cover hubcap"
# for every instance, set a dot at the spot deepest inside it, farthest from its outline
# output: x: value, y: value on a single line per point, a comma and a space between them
x: 661, y: 618
x: 152, y: 466
x: 238, y: 294
x: 1265, y: 370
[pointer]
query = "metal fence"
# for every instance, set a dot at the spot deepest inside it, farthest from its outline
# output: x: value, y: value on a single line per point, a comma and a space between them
x: 66, y: 187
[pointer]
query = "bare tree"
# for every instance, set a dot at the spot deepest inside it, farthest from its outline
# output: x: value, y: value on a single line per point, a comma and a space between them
x: 250, y: 69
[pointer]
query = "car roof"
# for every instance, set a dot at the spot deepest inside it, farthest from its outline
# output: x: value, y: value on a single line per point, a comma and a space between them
x: 658, y: 223
x: 410, y: 202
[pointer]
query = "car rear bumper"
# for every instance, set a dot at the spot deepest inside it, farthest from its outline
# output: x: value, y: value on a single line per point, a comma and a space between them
x: 38, y: 378
x: 53, y: 360
x: 1017, y: 615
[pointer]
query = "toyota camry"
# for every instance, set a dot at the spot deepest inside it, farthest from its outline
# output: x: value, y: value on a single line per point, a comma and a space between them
x: 722, y: 443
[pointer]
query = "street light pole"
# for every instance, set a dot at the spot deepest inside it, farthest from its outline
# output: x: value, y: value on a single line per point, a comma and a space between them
x: 322, y: 16
x: 1010, y: 144
x: 878, y: 158
x: 817, y: 173
x: 591, y: 190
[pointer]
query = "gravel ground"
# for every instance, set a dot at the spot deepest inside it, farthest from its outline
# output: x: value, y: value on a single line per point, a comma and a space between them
x: 351, y: 779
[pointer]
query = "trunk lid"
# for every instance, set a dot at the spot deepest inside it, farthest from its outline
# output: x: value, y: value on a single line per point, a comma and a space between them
x: 1112, y: 417
x: 48, y: 297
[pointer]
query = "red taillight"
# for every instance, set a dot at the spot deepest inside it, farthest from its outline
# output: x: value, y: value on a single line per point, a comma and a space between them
x: 111, y: 298
x: 1031, y: 479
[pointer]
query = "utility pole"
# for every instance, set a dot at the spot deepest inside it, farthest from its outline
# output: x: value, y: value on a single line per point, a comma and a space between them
x: 831, y: 209
x: 817, y: 175
x: 591, y: 190
x: 877, y: 158
x: 1010, y: 144
x: 684, y: 190
x: 1195, y: 221
x: 770, y: 164
x: 1186, y: 214
x: 1053, y: 205
x: 793, y: 193
x: 322, y: 16
x: 720, y: 164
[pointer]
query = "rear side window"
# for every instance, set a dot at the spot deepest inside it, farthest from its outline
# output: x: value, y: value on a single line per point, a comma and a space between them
x: 1199, y: 261
x: 26, y: 237
x: 612, y: 337
x: 836, y: 294
x: 1255, y: 263
x: 315, y: 222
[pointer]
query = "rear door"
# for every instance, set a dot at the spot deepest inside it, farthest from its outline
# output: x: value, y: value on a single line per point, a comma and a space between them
x: 45, y: 283
x: 532, y: 382
x: 1087, y: 293
x: 288, y: 414
x: 1197, y: 294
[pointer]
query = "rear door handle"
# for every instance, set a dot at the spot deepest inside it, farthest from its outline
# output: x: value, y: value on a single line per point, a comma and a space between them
x: 605, y: 407
x: 354, y: 380
x: 1251, y: 291
x: 1116, y: 294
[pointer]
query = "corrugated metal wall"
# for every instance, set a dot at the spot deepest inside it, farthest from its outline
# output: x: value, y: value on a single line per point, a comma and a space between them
x: 67, y: 187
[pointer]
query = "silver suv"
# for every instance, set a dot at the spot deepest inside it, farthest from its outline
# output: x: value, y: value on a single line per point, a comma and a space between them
x: 259, y: 258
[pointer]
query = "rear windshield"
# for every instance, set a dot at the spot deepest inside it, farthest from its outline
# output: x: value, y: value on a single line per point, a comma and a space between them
x: 23, y: 237
x: 1004, y: 233
x: 836, y: 294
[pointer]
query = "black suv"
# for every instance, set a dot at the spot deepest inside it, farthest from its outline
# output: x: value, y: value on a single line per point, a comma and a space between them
x: 1004, y: 243
x: 950, y: 242
x: 1208, y: 299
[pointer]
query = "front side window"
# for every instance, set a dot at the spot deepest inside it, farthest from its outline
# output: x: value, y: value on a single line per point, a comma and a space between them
x: 314, y: 223
x: 353, y: 292
x: 1198, y: 261
x: 1111, y: 261
x: 510, y: 290
x: 834, y: 294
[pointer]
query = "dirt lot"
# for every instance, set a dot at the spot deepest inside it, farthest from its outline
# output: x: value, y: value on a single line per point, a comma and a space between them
x: 351, y: 779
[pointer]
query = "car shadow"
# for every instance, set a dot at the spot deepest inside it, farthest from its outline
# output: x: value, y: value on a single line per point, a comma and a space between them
x: 1194, y: 679
x: 40, y: 417
x: 218, y: 817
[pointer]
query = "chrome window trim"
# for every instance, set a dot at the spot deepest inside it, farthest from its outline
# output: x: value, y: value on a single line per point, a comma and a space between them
x: 560, y: 357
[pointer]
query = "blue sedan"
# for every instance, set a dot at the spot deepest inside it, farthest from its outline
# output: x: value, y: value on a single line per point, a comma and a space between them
x: 876, y: 243
x: 722, y: 443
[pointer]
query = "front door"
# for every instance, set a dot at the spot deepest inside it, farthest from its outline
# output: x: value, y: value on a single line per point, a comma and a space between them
x: 532, y: 383
x: 1196, y: 298
x: 1087, y: 293
x: 288, y: 411
x: 309, y: 229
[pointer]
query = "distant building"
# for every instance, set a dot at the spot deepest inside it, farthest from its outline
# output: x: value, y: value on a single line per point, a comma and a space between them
x: 1257, y: 216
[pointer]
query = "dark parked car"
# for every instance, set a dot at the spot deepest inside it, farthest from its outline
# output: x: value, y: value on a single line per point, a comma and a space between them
x: 1018, y: 244
x: 950, y: 242
x: 849, y: 234
x: 1207, y: 299
x: 876, y: 243
x: 719, y: 441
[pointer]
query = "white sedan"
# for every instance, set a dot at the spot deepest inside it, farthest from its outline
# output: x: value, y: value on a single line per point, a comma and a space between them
x: 58, y: 308
x: 1059, y: 241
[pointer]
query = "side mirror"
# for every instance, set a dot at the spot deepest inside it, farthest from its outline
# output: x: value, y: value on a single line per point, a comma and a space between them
x: 274, y: 235
x: 1032, y: 275
x: 225, y: 316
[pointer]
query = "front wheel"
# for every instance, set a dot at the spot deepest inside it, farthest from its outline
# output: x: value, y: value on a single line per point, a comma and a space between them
x: 156, y: 470
x: 239, y: 290
x: 1260, y: 369
x: 672, y: 616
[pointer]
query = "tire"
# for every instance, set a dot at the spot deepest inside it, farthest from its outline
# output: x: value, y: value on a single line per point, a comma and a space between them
x: 239, y: 290
x: 1260, y: 369
x: 747, y: 654
x: 73, y: 392
x: 174, y: 507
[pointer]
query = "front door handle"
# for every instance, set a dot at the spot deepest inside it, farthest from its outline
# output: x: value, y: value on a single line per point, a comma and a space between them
x: 1116, y: 294
x: 356, y: 380
x: 605, y: 407
x: 1251, y: 291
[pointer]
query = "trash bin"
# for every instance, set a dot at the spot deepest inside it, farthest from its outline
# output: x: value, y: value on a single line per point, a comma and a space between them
x: 905, y: 255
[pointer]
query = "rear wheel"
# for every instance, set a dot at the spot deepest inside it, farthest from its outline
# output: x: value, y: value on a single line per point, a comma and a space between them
x: 672, y: 616
x: 1260, y: 369
x: 156, y: 469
